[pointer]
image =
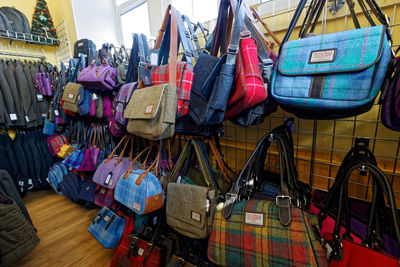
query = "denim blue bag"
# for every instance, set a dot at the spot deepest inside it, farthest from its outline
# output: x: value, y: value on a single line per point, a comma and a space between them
x: 55, y: 176
x: 108, y: 227
x: 84, y: 107
x: 335, y: 75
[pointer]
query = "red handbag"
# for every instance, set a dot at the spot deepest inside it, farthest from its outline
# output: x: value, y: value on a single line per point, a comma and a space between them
x: 249, y: 85
x: 184, y: 69
x: 119, y: 257
x: 136, y: 252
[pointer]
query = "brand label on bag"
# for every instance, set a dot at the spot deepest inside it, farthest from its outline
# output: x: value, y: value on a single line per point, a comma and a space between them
x: 13, y: 116
x: 39, y: 97
x: 196, y: 216
x: 140, y: 252
x: 322, y: 56
x: 149, y: 109
x: 136, y: 206
x: 153, y: 59
x: 256, y: 219
x: 107, y: 218
x: 71, y: 95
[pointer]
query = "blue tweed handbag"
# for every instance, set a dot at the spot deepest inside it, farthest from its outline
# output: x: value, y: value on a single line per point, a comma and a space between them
x: 108, y: 227
x: 334, y: 75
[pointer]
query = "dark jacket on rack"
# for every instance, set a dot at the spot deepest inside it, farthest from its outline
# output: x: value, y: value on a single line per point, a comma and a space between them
x: 17, y: 235
x: 10, y: 75
x: 32, y: 89
x: 7, y: 94
x: 26, y: 96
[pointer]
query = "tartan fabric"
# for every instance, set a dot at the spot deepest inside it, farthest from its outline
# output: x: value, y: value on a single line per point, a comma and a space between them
x: 55, y: 176
x: 249, y: 86
x: 74, y: 159
x: 184, y: 81
x: 235, y: 243
x: 138, y: 197
x: 352, y: 80
x: 107, y: 227
x: 123, y: 97
x: 103, y: 196
x: 55, y: 142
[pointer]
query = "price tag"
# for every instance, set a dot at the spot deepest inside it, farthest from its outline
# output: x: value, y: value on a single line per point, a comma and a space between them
x: 39, y: 97
x: 56, y: 112
x: 43, y: 115
x: 13, y: 116
x: 27, y: 118
x: 154, y: 58
x: 71, y: 96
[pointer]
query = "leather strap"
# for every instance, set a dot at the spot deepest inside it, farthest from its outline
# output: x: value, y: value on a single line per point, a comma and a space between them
x: 203, y: 31
x: 265, y: 25
x: 220, y: 162
x: 233, y: 47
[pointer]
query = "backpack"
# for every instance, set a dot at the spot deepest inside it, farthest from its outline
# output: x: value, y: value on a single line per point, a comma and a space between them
x: 86, y: 47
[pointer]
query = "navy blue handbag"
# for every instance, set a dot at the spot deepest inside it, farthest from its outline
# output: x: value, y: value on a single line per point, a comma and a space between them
x: 84, y: 107
x: 71, y: 186
x: 86, y: 192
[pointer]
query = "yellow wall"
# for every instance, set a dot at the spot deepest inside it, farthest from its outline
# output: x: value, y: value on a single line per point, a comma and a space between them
x: 60, y: 10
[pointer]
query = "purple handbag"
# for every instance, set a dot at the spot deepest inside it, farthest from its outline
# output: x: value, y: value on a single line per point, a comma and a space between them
x: 116, y: 128
x: 123, y: 97
x: 102, y: 77
x: 43, y: 83
x: 107, y: 107
x: 390, y: 101
x: 109, y: 171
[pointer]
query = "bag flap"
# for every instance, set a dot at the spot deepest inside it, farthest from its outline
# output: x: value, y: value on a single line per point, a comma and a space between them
x: 73, y: 93
x: 145, y: 103
x: 348, y: 51
x: 187, y: 203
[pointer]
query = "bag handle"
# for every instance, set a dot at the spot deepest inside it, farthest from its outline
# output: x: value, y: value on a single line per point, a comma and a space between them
x: 266, y: 27
x: 203, y: 31
x: 173, y: 41
x: 220, y: 162
x: 129, y: 171
x: 191, y: 35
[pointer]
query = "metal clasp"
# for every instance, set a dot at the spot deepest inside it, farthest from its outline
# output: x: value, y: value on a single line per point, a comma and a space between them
x: 233, y: 49
x: 283, y: 197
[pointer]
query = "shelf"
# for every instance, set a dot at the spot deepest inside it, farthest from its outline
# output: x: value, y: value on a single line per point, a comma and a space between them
x: 29, y: 38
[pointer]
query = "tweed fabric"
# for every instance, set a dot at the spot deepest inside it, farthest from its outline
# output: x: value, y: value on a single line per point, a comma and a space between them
x: 123, y: 97
x: 184, y: 81
x: 352, y: 80
x: 110, y: 172
x: 235, y: 243
x: 139, y: 197
x: 103, y: 196
x: 152, y: 112
x: 107, y: 228
x: 55, y: 142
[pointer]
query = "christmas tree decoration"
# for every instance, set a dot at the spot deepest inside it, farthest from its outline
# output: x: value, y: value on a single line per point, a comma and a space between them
x: 42, y: 23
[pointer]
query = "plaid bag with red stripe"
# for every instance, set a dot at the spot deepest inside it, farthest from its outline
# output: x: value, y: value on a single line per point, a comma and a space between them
x: 184, y: 81
x: 254, y: 236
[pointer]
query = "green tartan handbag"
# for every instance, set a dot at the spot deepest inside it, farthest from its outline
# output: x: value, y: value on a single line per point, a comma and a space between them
x: 252, y: 232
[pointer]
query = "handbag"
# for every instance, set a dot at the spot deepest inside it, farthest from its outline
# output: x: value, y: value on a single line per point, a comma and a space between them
x: 43, y: 83
x: 120, y: 256
x: 70, y: 186
x: 102, y: 77
x: 99, y: 107
x: 84, y: 107
x: 184, y: 69
x: 111, y: 169
x: 87, y: 191
x: 55, y: 143
x: 190, y: 208
x: 103, y: 196
x: 65, y: 151
x: 210, y: 96
x: 335, y: 75
x: 264, y: 232
x: 72, y: 97
x: 341, y: 249
x: 49, y: 126
x: 74, y: 159
x: 390, y: 98
x: 107, y: 227
x: 55, y: 176
x: 140, y: 190
x: 107, y: 107
x: 122, y: 99
x: 116, y: 128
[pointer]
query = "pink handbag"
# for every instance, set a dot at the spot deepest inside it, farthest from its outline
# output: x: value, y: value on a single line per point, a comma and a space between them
x: 109, y: 171
x: 102, y: 77
x: 107, y: 107
x: 116, y: 128
x: 43, y: 83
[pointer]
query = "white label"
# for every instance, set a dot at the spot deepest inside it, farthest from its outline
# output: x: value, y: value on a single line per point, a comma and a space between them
x: 136, y: 206
x: 94, y: 96
x: 322, y: 56
x: 13, y: 116
x: 140, y: 252
x: 149, y: 109
x: 254, y: 218
x: 56, y: 112
x: 43, y: 115
x: 196, y: 216
x: 153, y: 59
x: 27, y: 119
x: 39, y: 97
x: 80, y: 44
x: 21, y: 183
x: 179, y: 179
x: 71, y: 95
x: 107, y: 218
x: 47, y: 179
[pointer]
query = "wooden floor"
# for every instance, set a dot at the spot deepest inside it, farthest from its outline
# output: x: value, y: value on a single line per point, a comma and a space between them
x: 62, y: 229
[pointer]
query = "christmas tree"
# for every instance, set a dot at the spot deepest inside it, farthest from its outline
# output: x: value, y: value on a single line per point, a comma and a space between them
x: 42, y: 24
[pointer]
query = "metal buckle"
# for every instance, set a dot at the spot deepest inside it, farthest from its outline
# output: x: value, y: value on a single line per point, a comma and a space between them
x: 267, y: 62
x: 142, y: 65
x: 245, y: 34
x: 283, y: 197
x: 229, y: 195
x: 233, y: 49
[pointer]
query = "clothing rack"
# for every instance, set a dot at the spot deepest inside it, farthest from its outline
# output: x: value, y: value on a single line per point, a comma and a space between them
x: 21, y: 52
